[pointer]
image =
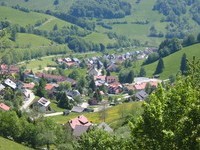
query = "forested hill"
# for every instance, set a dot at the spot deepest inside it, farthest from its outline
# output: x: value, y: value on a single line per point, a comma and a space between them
x: 101, y: 8
x: 173, y: 9
x: 82, y: 24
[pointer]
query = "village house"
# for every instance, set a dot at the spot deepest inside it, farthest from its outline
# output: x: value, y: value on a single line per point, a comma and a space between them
x: 29, y: 86
x: 73, y: 93
x: 79, y: 125
x: 141, y: 95
x: 42, y: 105
x: 51, y: 88
x: 10, y: 83
x: 115, y: 88
x: 77, y: 109
x: 111, y: 79
x: 11, y: 69
x: 4, y: 107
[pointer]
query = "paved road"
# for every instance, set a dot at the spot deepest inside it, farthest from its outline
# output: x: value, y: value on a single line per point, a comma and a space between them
x: 28, y: 101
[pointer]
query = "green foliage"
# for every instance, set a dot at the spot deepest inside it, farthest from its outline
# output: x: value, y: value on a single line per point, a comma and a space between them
x: 142, y: 72
x: 126, y: 77
x: 74, y: 74
x: 101, y: 140
x: 198, y: 38
x: 177, y: 13
x: 171, y: 116
x: 40, y: 89
x: 189, y: 40
x: 35, y: 134
x: 63, y: 101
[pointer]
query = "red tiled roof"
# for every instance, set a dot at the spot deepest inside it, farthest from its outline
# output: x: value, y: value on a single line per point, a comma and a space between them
x: 4, y: 107
x: 80, y: 120
x: 29, y: 85
x: 70, y: 63
x: 49, y: 87
x: 11, y: 68
x: 140, y: 86
x: 51, y: 77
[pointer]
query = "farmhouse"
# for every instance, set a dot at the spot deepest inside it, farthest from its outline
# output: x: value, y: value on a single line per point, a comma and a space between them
x: 79, y: 125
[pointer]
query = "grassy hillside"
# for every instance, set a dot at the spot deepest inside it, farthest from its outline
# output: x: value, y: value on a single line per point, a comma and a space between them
x: 31, y: 40
x: 19, y: 17
x: 6, y: 144
x: 31, y: 18
x: 41, y: 4
x: 99, y: 38
x: 172, y: 62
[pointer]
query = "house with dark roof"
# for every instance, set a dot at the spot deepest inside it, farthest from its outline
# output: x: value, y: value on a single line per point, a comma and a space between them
x: 141, y: 95
x: 73, y: 93
x: 79, y: 125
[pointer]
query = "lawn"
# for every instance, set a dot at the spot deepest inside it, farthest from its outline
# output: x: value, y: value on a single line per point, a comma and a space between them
x: 113, y: 113
x: 37, y: 64
x: 172, y: 62
x: 6, y: 144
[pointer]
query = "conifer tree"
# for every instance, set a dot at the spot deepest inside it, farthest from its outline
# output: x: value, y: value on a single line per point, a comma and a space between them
x: 160, y: 67
x: 183, y: 66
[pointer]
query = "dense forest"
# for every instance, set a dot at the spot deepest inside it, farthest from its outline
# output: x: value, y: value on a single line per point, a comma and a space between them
x: 100, y: 9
